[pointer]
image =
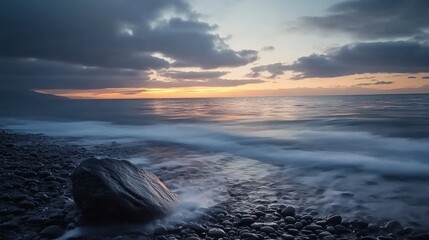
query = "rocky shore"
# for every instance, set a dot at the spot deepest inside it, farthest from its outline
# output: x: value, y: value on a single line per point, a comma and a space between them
x: 36, y: 202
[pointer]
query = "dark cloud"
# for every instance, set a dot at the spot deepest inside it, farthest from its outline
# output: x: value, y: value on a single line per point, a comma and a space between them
x: 375, y: 83
x: 373, y: 19
x: 359, y: 58
x: 411, y: 77
x: 425, y: 77
x: 193, y: 75
x: 274, y: 69
x: 113, y: 34
x: 41, y: 74
x: 16, y: 73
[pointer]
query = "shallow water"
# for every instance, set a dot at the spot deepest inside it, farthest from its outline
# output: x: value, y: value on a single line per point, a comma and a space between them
x: 360, y: 156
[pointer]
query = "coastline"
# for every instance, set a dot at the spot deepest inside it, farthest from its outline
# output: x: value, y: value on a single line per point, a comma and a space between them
x: 36, y: 194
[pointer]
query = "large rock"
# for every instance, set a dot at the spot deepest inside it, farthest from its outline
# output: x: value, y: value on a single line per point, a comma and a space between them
x: 110, y: 190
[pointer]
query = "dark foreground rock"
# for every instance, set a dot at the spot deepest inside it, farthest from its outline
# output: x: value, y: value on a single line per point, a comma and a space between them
x: 110, y: 190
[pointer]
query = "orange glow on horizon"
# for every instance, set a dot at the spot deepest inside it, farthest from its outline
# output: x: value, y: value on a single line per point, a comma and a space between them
x: 272, y: 87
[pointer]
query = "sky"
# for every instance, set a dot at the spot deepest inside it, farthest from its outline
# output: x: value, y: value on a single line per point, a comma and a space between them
x: 213, y: 48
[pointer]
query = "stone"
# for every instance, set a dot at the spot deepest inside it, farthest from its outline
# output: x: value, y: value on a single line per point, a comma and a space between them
x: 329, y: 237
x: 288, y: 211
x: 341, y: 229
x: 298, y: 225
x: 373, y: 227
x: 109, y: 190
x: 12, y: 224
x: 267, y: 229
x: 394, y: 226
x: 420, y: 236
x: 26, y: 204
x: 217, y: 233
x: 249, y: 236
x: 287, y: 237
x: 246, y: 221
x: 368, y: 238
x: 313, y: 227
x: 35, y: 219
x: 193, y: 238
x: 334, y: 220
x: 257, y: 225
x: 293, y: 231
x: 196, y: 227
x: 330, y: 229
x: 53, y: 231
x: 385, y: 238
x: 290, y: 219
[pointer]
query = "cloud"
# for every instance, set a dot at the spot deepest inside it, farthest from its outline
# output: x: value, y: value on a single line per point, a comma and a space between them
x: 128, y: 34
x: 41, y: 74
x: 193, y: 74
x: 375, y: 83
x: 372, y: 19
x: 201, y: 83
x: 17, y: 73
x: 268, y: 48
x: 425, y: 77
x: 411, y: 77
x: 365, y: 78
x: 358, y: 58
x: 274, y: 69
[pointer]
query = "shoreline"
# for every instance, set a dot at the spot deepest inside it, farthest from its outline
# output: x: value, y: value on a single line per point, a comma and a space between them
x: 36, y: 194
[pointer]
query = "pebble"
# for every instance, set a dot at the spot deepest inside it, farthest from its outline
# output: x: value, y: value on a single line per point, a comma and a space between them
x: 394, y: 226
x: 288, y: 237
x: 267, y: 229
x: 329, y: 237
x: 368, y: 238
x: 52, y: 231
x: 35, y: 219
x: 290, y: 219
x: 192, y: 238
x: 249, y: 236
x: 298, y: 225
x: 334, y: 220
x: 246, y: 221
x: 372, y: 227
x: 341, y: 229
x: 313, y: 227
x: 26, y: 204
x: 288, y: 211
x: 217, y: 233
x: 12, y: 224
x: 196, y: 227
x: 293, y: 231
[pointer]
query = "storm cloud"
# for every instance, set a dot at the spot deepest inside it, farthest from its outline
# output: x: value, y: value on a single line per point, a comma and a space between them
x: 358, y: 58
x: 113, y: 34
x: 372, y: 19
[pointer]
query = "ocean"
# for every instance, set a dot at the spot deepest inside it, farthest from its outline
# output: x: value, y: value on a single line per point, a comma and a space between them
x: 359, y: 156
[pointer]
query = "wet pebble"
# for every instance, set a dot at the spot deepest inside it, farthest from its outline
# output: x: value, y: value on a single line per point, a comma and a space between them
x: 216, y: 233
x: 52, y: 231
x: 288, y: 211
